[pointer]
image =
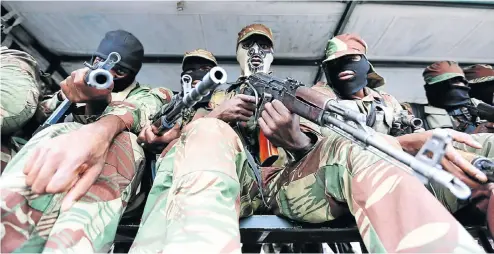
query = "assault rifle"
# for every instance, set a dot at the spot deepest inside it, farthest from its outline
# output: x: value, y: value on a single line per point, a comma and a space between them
x: 99, y: 77
x: 403, y: 123
x: 318, y: 108
x: 169, y: 114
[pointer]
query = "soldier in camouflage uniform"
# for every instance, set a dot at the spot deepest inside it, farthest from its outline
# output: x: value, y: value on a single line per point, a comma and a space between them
x: 67, y: 188
x: 353, y: 79
x: 481, y: 80
x: 208, y: 189
x: 195, y: 65
x: 19, y: 93
x: 447, y: 92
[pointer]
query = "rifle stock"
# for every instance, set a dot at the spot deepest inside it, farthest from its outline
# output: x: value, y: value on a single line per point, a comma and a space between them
x: 320, y: 109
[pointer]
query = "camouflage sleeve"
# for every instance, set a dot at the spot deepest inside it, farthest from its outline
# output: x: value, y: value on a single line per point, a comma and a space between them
x: 392, y: 102
x: 137, y: 108
x: 487, y: 142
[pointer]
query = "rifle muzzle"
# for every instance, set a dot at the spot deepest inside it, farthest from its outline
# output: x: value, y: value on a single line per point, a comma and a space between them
x: 416, y: 123
x: 99, y: 78
x: 215, y: 77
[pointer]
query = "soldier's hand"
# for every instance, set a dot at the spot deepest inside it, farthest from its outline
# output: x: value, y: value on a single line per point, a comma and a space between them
x: 282, y: 127
x: 453, y: 161
x: 70, y: 162
x: 149, y: 139
x: 239, y: 108
x: 77, y: 91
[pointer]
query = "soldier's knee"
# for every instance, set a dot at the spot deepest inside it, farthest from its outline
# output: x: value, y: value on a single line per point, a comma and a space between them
x: 126, y: 154
x: 212, y: 127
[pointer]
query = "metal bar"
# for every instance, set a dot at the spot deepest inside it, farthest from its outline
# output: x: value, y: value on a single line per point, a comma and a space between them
x: 177, y: 59
x: 450, y: 3
x: 350, y: 6
x: 51, y: 57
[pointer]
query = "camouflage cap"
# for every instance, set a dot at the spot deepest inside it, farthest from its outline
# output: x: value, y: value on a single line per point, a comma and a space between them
x: 253, y: 29
x: 352, y: 44
x: 199, y: 53
x: 478, y: 73
x: 441, y: 71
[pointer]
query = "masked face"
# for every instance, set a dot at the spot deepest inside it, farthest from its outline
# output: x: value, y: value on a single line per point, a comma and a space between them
x: 448, y: 94
x: 484, y: 92
x: 348, y: 74
x: 255, y: 55
x: 122, y: 77
x: 191, y: 77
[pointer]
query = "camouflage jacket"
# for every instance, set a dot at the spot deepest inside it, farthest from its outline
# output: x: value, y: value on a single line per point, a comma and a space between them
x: 249, y: 131
x: 133, y: 105
x: 441, y: 118
x: 387, y: 107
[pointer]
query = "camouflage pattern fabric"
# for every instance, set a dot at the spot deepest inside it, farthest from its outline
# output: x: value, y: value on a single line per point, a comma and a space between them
x: 487, y: 142
x: 34, y: 223
x: 199, y: 194
x: 136, y: 103
x: 441, y: 71
x: 203, y: 192
x: 352, y: 44
x: 479, y: 73
x: 19, y: 89
x: 388, y: 110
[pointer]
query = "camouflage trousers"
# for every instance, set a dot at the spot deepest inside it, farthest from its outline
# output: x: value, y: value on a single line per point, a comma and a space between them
x: 19, y: 89
x: 34, y: 223
x: 199, y: 194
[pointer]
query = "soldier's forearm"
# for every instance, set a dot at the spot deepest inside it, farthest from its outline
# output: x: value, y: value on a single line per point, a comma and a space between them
x: 107, y: 127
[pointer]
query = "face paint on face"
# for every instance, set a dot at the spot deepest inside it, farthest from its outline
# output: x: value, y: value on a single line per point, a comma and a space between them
x: 255, y: 55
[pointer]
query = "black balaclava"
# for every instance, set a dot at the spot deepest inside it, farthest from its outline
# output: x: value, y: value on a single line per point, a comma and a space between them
x: 195, y: 64
x: 483, y: 91
x: 446, y: 95
x: 131, y: 52
x: 346, y: 88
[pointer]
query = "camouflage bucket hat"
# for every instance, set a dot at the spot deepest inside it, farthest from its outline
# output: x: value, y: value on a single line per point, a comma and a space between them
x: 352, y: 44
x: 253, y: 29
x: 199, y: 53
x: 441, y: 71
x: 479, y: 73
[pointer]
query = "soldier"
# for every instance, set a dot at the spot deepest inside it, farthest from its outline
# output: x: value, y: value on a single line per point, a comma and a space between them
x: 481, y: 80
x: 125, y: 72
x: 195, y: 65
x: 352, y: 78
x: 67, y: 188
x: 207, y: 190
x: 20, y: 93
x: 450, y: 105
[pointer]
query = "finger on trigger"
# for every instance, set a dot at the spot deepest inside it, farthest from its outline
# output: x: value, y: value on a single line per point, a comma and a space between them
x: 464, y: 165
x: 281, y: 109
x: 247, y: 98
x: 268, y: 120
x: 454, y: 170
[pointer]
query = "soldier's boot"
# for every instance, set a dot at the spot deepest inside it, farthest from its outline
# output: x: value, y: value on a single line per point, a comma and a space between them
x: 393, y: 210
x: 194, y: 204
x: 34, y: 223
